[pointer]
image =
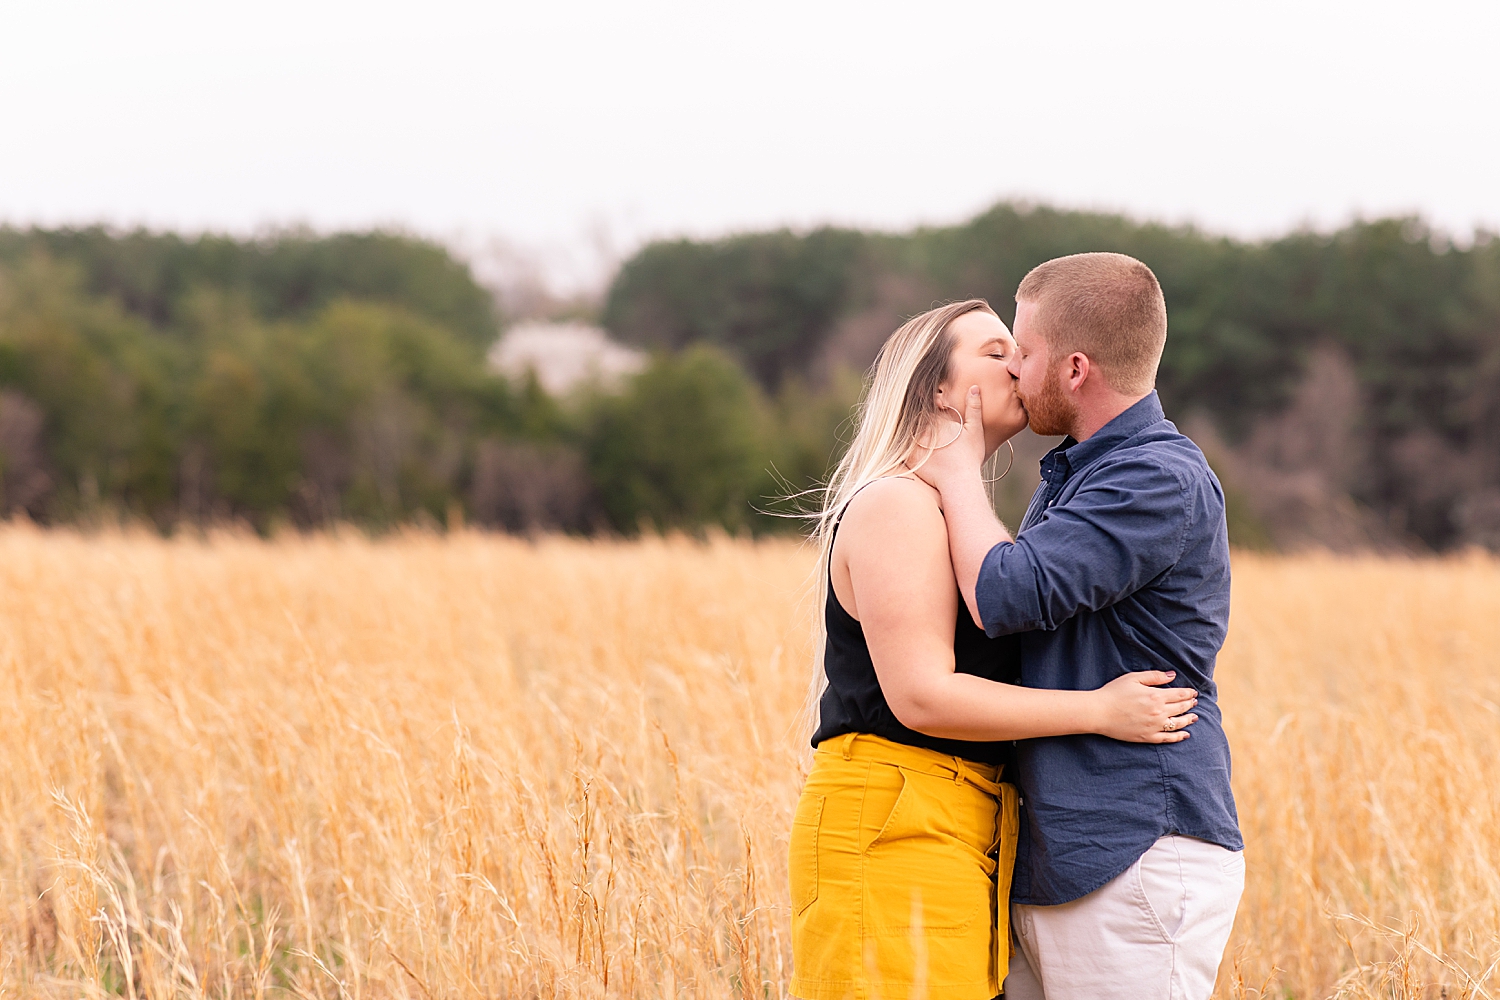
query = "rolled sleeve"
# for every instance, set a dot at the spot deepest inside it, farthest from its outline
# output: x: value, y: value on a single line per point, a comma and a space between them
x: 1124, y: 526
x: 1007, y: 591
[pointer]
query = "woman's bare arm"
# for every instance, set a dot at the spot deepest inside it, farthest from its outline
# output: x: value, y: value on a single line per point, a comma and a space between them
x: 891, y: 558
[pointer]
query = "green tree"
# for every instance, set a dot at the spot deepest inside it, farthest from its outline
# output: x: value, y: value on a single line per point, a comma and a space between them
x: 769, y: 299
x: 104, y: 384
x: 683, y: 446
x: 291, y: 274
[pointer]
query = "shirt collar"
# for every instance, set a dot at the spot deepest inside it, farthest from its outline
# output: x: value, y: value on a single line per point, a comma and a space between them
x: 1072, y: 455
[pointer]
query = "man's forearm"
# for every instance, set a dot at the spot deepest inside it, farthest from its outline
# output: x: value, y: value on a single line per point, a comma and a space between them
x: 973, y: 529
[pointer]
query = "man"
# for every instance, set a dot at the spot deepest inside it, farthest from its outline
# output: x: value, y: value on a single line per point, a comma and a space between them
x: 1129, y: 870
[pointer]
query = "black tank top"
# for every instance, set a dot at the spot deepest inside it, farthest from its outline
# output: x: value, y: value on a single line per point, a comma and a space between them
x: 854, y: 703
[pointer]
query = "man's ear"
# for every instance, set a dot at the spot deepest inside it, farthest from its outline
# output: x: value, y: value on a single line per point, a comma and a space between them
x: 1079, y: 369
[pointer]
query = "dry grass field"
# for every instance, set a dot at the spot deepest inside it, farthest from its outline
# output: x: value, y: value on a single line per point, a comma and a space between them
x: 481, y: 767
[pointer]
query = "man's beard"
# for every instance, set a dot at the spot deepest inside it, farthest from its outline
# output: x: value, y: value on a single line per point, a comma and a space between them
x: 1047, y: 409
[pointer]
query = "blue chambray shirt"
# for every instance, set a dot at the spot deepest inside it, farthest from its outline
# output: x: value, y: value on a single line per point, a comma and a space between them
x: 1121, y: 563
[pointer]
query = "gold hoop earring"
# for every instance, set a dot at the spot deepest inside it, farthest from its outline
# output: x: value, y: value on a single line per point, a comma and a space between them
x: 960, y: 433
x: 992, y: 482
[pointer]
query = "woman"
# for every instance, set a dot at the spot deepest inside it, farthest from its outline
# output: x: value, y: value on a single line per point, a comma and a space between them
x: 904, y: 836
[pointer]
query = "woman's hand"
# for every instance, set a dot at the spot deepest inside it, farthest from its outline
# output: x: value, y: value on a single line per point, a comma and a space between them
x: 1136, y: 708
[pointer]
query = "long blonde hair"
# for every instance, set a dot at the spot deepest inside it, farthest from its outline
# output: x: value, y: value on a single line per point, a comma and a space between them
x: 896, y: 409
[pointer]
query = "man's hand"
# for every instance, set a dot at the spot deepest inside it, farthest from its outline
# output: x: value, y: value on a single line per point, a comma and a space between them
x: 951, y: 466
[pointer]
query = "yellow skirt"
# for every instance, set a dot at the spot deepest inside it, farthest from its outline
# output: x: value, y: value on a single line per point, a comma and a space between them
x: 901, y: 861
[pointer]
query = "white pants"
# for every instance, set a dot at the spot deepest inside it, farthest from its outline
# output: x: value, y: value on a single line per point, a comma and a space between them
x: 1157, y: 932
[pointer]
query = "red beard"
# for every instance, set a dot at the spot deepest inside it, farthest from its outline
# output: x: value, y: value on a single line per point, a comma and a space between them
x: 1048, y: 409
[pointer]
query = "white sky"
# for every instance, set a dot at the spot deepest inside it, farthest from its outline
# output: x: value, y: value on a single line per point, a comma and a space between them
x: 566, y: 127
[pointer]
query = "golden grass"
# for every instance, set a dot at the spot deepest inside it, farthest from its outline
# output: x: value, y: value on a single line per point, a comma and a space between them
x: 477, y: 766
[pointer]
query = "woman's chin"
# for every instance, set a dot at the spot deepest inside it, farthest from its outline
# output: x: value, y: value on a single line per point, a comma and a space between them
x: 1006, y: 431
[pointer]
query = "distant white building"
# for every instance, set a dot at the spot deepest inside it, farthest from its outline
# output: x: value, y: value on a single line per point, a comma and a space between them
x: 563, y: 355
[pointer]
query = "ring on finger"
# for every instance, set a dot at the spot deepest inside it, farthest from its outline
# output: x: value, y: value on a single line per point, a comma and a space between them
x: 1169, y: 726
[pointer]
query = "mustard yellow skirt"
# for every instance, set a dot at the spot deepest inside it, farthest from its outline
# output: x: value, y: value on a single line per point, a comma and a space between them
x: 901, y: 861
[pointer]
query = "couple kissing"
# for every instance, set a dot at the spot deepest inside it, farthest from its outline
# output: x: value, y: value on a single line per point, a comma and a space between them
x: 1020, y: 780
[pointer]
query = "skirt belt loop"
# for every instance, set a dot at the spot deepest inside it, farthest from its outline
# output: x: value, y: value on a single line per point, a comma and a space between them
x: 962, y: 772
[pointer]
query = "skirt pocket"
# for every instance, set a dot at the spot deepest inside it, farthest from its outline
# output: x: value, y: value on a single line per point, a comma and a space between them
x: 802, y: 862
x: 929, y: 867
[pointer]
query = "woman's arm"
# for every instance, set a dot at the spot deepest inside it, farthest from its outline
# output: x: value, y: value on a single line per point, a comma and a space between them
x: 893, y: 546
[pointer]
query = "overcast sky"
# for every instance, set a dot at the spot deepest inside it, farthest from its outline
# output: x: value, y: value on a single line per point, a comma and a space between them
x: 562, y: 127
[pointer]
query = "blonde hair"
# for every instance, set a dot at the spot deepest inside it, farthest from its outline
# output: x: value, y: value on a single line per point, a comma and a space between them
x: 1105, y: 305
x: 897, y: 406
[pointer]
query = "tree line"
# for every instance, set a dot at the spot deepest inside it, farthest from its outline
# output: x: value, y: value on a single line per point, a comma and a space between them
x: 302, y: 380
x: 1346, y: 384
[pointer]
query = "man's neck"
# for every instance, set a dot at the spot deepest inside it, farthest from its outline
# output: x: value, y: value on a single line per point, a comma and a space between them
x: 1094, y: 414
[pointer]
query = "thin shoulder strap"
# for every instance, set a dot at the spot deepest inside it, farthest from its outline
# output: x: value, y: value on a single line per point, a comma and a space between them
x: 840, y: 520
x: 845, y: 507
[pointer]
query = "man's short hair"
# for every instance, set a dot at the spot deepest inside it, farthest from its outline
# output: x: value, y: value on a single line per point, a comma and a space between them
x: 1105, y: 305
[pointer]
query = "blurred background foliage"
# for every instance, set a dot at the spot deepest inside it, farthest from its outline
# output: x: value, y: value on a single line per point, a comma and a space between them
x: 1346, y: 385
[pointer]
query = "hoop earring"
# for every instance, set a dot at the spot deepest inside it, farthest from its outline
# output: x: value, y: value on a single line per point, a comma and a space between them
x: 992, y: 482
x: 960, y: 433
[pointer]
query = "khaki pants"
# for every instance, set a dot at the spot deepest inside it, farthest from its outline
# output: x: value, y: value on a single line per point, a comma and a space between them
x: 1157, y: 932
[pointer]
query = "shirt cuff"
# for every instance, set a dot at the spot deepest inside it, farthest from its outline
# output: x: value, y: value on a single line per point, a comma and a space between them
x: 1006, y: 591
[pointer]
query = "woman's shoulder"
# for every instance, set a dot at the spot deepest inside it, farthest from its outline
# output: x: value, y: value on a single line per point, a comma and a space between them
x: 895, y: 502
x: 893, y: 535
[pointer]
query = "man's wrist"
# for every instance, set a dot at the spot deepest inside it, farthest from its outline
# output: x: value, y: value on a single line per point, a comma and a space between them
x: 973, y: 490
x: 947, y: 482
